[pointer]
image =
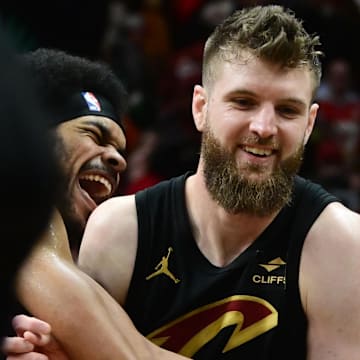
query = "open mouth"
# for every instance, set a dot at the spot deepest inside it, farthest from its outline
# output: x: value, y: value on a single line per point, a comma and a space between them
x: 258, y: 151
x: 97, y: 186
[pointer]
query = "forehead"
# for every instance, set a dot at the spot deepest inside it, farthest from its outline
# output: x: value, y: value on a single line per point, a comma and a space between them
x: 108, y: 128
x: 264, y: 78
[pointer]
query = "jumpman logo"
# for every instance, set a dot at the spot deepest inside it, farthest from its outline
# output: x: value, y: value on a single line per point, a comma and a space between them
x: 163, y: 268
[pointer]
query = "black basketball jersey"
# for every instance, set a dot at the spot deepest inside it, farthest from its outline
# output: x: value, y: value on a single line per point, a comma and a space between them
x: 249, y: 309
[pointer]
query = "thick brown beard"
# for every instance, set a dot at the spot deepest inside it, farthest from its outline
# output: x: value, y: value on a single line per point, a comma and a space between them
x: 237, y: 193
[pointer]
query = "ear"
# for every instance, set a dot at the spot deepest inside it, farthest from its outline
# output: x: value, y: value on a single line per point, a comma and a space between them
x: 311, y: 121
x: 199, y: 107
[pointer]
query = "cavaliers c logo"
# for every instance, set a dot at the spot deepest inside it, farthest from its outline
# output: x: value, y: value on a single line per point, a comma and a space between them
x: 186, y: 335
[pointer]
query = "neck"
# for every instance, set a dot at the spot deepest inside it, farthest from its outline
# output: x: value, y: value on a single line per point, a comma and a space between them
x: 220, y: 236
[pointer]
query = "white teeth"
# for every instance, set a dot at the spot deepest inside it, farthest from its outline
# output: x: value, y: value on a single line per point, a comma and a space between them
x: 257, y: 151
x: 99, y: 179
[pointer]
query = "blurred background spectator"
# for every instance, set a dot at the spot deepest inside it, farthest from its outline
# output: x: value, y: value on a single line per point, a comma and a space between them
x: 155, y: 47
x: 336, y: 154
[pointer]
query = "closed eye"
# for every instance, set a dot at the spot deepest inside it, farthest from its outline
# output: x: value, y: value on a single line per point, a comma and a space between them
x: 102, y: 141
x: 94, y: 134
x: 102, y: 136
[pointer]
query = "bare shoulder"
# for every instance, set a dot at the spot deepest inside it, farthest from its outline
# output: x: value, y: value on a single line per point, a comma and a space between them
x: 109, y: 245
x: 336, y: 224
x: 108, y: 220
x: 330, y: 284
x: 331, y: 251
x: 120, y: 208
x: 334, y: 234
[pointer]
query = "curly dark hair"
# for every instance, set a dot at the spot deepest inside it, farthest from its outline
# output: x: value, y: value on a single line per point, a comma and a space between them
x: 60, y: 75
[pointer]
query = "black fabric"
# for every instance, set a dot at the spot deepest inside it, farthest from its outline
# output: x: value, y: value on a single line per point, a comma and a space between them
x: 82, y: 104
x: 198, y: 315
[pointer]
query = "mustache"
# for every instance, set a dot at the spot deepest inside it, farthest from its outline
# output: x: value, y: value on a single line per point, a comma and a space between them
x: 253, y: 139
x: 98, y: 166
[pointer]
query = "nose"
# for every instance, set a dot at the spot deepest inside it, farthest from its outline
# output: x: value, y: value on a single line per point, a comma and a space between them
x: 263, y: 122
x: 114, y: 159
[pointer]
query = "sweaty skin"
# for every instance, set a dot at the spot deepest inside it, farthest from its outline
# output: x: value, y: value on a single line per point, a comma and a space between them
x: 67, y: 298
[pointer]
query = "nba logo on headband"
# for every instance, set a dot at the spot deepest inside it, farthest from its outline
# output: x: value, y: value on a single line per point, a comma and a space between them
x: 92, y: 102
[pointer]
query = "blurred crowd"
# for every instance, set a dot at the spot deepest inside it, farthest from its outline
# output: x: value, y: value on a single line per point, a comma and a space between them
x: 155, y: 47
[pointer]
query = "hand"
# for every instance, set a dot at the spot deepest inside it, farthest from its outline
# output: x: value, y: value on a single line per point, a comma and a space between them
x: 33, y: 341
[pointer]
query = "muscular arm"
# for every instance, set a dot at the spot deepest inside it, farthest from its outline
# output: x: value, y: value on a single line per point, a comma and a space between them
x: 108, y: 249
x: 330, y: 285
x: 85, y: 319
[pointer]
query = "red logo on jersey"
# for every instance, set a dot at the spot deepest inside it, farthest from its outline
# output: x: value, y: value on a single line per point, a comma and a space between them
x: 251, y: 316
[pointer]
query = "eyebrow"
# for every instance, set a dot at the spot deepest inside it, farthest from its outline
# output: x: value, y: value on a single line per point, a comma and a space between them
x: 106, y: 134
x: 293, y: 100
x: 297, y: 102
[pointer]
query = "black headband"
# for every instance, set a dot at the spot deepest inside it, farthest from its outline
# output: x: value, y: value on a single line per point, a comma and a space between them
x: 82, y: 104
